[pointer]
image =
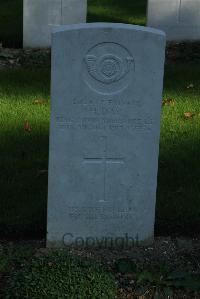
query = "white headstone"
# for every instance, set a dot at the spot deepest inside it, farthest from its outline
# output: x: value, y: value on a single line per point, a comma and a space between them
x: 41, y: 15
x: 180, y: 19
x: 104, y: 137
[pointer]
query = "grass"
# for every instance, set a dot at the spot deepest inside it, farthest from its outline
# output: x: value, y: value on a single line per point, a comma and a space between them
x: 178, y: 204
x: 126, y: 11
x: 13, y: 257
x: 24, y: 96
x: 119, y: 11
x: 24, y: 134
x: 25, y: 154
x: 27, y: 272
x: 58, y: 275
x: 23, y: 177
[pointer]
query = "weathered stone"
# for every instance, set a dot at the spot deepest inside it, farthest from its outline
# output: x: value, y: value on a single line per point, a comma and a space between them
x: 180, y: 19
x: 41, y: 15
x: 104, y: 137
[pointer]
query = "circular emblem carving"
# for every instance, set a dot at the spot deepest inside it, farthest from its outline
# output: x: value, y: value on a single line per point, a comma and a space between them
x: 108, y: 68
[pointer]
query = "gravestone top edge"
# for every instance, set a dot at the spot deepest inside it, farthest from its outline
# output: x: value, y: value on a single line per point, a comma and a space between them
x: 100, y: 25
x: 104, y: 138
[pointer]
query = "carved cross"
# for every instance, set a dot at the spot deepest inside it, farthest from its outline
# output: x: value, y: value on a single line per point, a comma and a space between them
x: 105, y: 160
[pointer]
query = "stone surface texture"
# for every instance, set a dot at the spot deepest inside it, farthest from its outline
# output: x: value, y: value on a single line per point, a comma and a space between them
x: 179, y: 19
x: 41, y: 15
x: 104, y: 136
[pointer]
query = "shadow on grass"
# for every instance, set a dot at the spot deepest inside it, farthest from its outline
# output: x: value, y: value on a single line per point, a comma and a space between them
x: 23, y: 83
x: 23, y: 181
x: 23, y: 187
x: 92, y: 17
x: 178, y: 192
x: 129, y: 11
x: 11, y: 23
x: 24, y: 157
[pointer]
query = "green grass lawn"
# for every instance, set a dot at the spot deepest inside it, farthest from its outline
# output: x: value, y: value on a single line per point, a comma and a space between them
x: 54, y: 274
x: 24, y: 136
x: 23, y: 176
x: 178, y: 202
x: 58, y: 275
x: 121, y: 11
x: 23, y: 180
x: 24, y: 96
x: 125, y: 11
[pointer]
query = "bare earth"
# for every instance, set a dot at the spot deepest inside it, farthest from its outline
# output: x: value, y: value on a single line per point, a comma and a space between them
x: 14, y: 58
x: 176, y: 255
